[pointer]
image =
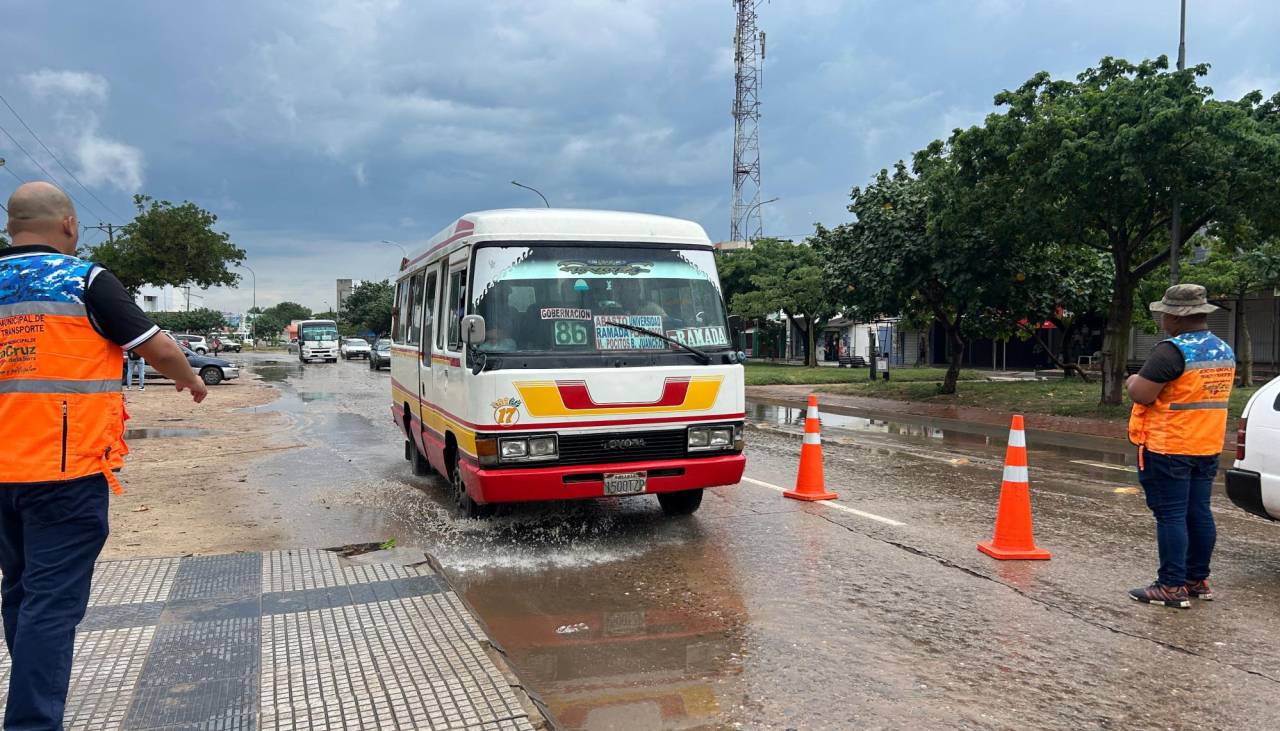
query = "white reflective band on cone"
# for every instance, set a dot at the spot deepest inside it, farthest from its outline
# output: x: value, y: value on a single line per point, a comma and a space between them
x: 812, y: 438
x: 1015, y: 474
x: 1017, y: 438
x: 812, y: 413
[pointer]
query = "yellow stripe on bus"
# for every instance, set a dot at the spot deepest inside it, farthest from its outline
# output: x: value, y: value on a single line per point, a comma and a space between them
x: 543, y: 399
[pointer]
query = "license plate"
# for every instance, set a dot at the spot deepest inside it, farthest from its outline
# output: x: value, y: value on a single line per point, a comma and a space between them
x: 624, y: 483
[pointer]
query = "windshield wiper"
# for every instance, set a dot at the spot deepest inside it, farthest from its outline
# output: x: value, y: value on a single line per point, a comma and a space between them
x: 706, y: 359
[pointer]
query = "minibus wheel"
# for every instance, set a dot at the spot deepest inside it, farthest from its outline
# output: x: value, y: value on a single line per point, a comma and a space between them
x: 684, y: 502
x: 466, y: 507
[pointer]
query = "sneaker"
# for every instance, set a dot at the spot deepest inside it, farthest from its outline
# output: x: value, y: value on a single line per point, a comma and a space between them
x: 1167, y: 596
x: 1200, y: 590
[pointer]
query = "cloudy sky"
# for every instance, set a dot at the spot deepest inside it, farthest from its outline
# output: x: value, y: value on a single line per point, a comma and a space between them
x: 316, y: 128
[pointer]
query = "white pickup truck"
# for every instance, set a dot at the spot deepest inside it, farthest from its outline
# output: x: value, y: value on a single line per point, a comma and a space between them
x: 1254, y: 482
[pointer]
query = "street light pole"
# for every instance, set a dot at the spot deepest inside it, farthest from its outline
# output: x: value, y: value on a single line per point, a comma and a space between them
x: 535, y: 190
x: 396, y: 243
x: 757, y: 205
x: 1175, y: 219
x: 255, y: 283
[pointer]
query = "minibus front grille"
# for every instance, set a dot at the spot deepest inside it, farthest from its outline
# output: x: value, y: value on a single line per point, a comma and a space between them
x: 623, y: 447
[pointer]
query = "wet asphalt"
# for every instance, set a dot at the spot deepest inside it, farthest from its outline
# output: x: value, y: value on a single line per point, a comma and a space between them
x: 875, y: 611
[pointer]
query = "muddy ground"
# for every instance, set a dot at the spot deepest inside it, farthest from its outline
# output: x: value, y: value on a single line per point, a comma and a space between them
x: 189, y: 479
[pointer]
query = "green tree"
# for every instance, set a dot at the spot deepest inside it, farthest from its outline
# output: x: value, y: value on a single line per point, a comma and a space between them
x: 1235, y: 267
x: 790, y: 279
x: 201, y: 321
x: 1098, y: 162
x: 1061, y: 285
x: 368, y: 308
x: 168, y: 244
x: 903, y: 256
x: 276, y: 318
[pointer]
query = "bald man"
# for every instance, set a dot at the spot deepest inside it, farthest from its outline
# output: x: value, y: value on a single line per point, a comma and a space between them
x: 64, y: 324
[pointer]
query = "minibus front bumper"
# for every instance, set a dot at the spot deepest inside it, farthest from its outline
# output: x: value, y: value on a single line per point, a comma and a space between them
x: 587, y: 481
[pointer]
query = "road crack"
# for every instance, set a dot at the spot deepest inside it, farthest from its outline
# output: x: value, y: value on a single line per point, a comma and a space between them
x: 948, y: 563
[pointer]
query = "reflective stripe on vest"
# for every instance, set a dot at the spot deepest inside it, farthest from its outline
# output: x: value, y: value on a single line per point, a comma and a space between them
x: 49, y: 385
x: 1189, y: 417
x: 61, y: 411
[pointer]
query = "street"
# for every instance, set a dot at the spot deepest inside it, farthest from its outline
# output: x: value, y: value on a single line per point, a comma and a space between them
x: 874, y: 611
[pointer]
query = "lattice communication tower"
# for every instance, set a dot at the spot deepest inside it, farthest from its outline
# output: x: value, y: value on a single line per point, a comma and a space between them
x: 745, y: 223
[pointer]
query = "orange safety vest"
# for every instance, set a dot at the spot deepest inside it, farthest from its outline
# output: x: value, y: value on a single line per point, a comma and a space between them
x: 1189, y: 417
x: 61, y: 411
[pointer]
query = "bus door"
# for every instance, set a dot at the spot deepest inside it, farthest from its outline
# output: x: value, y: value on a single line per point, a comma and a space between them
x: 448, y: 360
x: 426, y: 337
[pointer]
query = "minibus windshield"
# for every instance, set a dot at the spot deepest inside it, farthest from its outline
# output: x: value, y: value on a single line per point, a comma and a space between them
x: 566, y: 298
x: 319, y: 332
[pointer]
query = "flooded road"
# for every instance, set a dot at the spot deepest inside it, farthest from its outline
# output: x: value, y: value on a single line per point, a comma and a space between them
x: 763, y: 613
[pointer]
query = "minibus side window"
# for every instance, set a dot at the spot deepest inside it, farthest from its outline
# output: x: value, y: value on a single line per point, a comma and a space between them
x: 442, y: 327
x: 400, y: 315
x: 428, y: 308
x: 415, y: 309
x: 457, y: 304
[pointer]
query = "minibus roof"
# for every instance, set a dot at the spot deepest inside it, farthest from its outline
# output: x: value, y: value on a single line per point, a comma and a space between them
x: 560, y: 224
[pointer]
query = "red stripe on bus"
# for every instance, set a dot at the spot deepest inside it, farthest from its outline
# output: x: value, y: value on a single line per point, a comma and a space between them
x: 568, y: 424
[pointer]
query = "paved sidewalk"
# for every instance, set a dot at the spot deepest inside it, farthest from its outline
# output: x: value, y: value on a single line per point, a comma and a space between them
x: 299, y: 639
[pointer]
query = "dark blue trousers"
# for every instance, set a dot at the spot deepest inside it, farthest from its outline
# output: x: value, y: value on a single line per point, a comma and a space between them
x: 50, y: 536
x: 1178, y: 489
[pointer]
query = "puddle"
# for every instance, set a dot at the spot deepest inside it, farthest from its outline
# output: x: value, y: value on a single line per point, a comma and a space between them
x: 162, y: 432
x: 309, y: 396
x: 783, y: 416
x: 1069, y: 453
x: 277, y: 373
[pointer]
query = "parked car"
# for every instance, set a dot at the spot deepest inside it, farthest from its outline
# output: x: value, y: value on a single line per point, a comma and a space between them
x: 212, y: 370
x: 230, y: 345
x: 1253, y: 483
x: 380, y: 355
x: 354, y: 348
x: 194, y: 342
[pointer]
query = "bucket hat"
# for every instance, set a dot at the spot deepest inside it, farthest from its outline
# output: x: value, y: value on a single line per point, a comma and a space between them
x: 1182, y: 300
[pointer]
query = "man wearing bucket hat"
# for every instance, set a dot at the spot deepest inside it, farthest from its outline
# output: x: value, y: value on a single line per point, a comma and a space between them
x: 1179, y: 419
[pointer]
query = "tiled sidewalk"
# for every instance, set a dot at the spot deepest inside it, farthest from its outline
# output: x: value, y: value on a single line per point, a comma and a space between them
x: 281, y: 640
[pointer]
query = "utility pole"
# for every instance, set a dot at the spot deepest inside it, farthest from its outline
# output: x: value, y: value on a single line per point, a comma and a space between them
x: 1175, y: 219
x: 748, y: 56
x: 110, y: 228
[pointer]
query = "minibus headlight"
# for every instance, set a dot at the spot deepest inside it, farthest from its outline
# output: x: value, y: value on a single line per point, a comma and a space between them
x: 529, y: 449
x: 542, y: 448
x: 720, y: 437
x: 698, y: 438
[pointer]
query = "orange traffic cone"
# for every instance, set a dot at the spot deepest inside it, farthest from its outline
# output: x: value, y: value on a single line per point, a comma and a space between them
x: 1013, y: 538
x: 809, y: 482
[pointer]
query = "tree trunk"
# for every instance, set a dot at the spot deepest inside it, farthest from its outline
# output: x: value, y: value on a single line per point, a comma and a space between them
x: 1244, y: 345
x: 1068, y: 369
x: 811, y: 355
x: 957, y: 357
x: 1115, y: 344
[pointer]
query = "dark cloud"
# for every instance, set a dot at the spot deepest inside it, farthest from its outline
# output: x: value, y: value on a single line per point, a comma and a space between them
x: 316, y: 129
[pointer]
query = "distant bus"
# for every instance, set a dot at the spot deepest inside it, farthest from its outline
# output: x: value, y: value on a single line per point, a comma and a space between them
x: 318, y: 340
x: 560, y: 354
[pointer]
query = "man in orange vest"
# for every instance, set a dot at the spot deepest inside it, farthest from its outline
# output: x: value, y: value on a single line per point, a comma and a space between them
x: 1179, y: 420
x: 64, y: 326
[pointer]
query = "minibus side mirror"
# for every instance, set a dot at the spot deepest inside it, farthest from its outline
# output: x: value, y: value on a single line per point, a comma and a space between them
x: 473, y: 329
x: 472, y: 333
